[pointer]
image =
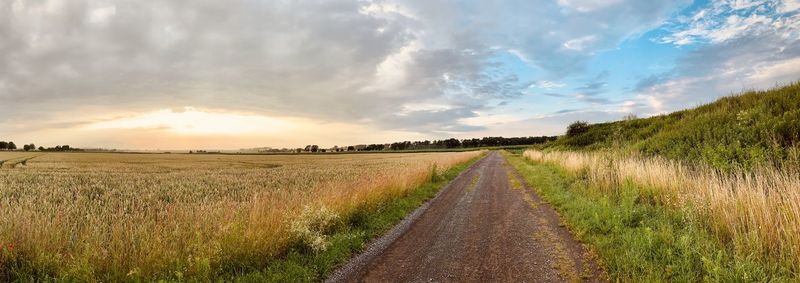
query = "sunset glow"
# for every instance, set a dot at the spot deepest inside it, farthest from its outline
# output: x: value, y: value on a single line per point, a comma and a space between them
x: 191, y: 121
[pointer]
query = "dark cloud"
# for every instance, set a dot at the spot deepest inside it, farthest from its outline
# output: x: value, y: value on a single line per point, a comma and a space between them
x: 165, y: 53
x: 592, y: 87
x: 593, y: 99
x: 553, y: 94
x: 651, y: 81
x: 590, y: 91
x: 562, y: 111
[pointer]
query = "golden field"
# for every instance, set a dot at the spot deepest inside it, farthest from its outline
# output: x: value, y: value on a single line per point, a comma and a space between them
x: 111, y: 215
x: 756, y: 212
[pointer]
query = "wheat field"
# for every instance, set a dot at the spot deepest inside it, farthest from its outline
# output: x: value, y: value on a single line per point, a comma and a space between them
x: 105, y: 215
x: 756, y: 212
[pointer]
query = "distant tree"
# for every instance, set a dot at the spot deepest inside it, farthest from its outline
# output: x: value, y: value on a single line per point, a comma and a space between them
x: 400, y: 145
x: 12, y: 146
x: 3, y: 145
x: 322, y: 150
x: 372, y: 147
x: 351, y: 148
x: 314, y: 148
x: 26, y: 147
x: 577, y: 128
x: 452, y: 143
x: 41, y: 148
x: 65, y: 147
x: 32, y: 146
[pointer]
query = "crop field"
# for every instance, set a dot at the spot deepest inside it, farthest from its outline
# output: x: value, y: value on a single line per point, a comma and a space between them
x: 127, y: 216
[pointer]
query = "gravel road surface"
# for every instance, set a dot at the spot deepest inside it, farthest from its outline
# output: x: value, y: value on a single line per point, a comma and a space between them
x: 487, y: 225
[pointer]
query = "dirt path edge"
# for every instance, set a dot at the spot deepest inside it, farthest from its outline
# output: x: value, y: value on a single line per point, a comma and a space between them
x: 358, y: 263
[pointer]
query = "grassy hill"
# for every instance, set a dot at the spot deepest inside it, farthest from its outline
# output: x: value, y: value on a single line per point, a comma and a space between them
x: 742, y: 131
x: 653, y: 220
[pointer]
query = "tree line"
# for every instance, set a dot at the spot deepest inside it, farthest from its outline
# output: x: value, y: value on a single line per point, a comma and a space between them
x: 450, y: 143
x: 10, y: 145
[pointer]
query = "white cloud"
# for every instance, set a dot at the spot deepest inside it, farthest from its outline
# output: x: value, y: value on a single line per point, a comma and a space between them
x: 549, y: 85
x: 781, y: 72
x: 386, y: 10
x: 588, y: 5
x: 426, y: 107
x: 727, y: 20
x: 391, y: 74
x: 670, y: 96
x: 788, y: 6
x: 736, y: 26
x: 521, y: 56
x: 102, y: 14
x: 745, y: 4
x: 488, y: 119
x: 754, y: 60
x: 580, y: 44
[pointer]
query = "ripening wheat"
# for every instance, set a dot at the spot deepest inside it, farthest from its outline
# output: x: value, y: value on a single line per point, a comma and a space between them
x: 118, y: 216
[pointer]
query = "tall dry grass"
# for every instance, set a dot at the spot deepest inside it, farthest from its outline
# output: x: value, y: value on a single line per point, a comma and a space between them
x: 127, y: 216
x: 756, y: 212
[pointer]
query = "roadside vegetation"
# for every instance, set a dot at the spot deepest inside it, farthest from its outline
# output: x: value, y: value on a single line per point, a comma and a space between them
x: 750, y: 130
x: 143, y: 217
x: 657, y: 220
x: 706, y: 194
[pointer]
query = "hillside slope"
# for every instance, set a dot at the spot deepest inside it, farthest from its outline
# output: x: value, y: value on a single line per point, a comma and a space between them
x: 742, y: 131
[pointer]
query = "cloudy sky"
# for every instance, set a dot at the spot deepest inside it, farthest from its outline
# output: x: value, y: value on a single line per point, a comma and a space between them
x: 232, y: 74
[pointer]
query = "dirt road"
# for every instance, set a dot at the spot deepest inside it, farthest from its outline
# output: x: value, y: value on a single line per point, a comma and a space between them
x: 486, y: 226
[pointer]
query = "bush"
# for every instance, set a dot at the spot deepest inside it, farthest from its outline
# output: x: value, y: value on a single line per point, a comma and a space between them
x: 312, y: 226
x: 577, y: 128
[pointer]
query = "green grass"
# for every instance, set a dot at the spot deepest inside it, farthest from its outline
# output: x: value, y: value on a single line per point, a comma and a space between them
x: 742, y: 131
x: 301, y: 264
x: 638, y: 240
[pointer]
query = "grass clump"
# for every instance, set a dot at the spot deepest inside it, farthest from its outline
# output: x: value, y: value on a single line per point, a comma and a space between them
x: 311, y: 227
x: 646, y: 232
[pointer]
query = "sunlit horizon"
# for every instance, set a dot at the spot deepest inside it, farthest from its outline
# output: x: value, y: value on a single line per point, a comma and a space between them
x: 246, y: 74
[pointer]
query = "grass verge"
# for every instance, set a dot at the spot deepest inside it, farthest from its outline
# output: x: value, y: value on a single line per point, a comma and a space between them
x: 302, y: 264
x: 638, y: 240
